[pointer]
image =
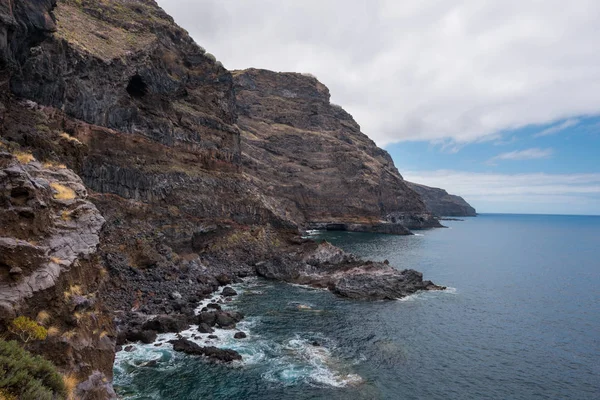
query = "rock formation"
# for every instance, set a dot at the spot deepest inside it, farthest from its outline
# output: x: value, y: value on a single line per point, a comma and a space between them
x: 310, y: 156
x: 125, y: 194
x: 442, y: 204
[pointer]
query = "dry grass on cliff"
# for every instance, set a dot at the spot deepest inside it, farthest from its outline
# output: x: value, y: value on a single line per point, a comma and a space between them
x: 53, y: 165
x: 74, y: 290
x: 62, y: 192
x: 70, y: 138
x: 70, y: 381
x: 42, y: 317
x: 96, y: 37
x: 24, y: 157
x: 53, y: 331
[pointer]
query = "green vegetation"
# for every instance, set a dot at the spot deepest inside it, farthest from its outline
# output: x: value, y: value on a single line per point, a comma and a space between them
x: 27, y: 377
x: 27, y: 329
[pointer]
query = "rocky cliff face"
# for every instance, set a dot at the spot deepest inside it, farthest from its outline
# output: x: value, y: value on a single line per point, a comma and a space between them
x: 440, y: 203
x: 311, y: 157
x: 123, y: 181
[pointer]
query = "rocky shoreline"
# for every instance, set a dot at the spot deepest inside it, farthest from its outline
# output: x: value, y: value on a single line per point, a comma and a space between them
x: 200, y: 304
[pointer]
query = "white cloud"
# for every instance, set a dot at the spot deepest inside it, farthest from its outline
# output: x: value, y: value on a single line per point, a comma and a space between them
x: 455, y: 70
x: 535, y: 193
x: 558, y: 128
x: 527, y: 154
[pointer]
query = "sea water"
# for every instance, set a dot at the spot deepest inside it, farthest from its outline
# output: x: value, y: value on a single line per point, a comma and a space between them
x: 520, y: 320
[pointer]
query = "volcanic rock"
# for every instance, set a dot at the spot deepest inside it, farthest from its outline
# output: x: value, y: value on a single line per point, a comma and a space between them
x: 213, y: 353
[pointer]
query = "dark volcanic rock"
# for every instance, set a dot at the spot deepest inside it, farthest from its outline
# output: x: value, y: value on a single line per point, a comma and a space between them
x: 213, y: 353
x: 209, y: 318
x: 439, y: 202
x: 228, y: 292
x: 240, y: 335
x: 167, y: 323
x: 347, y: 276
x: 310, y: 155
x: 144, y: 336
x: 225, y: 320
x: 383, y: 284
x: 205, y: 328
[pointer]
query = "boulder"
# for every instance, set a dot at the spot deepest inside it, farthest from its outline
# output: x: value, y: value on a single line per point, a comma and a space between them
x: 209, y: 318
x: 225, y: 320
x: 167, y: 323
x: 205, y: 328
x: 223, y: 279
x: 146, y: 336
x: 240, y: 335
x: 228, y: 291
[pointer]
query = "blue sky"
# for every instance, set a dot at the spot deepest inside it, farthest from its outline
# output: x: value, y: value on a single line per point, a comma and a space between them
x: 552, y: 168
x: 493, y: 100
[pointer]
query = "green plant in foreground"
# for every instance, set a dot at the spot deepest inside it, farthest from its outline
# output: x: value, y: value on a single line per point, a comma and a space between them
x: 27, y: 377
x: 27, y: 329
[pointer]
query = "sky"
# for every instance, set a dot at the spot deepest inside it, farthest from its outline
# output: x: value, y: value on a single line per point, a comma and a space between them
x: 494, y: 100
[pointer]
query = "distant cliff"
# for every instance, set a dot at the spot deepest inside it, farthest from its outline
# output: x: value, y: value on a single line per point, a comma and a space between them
x: 441, y: 203
x: 310, y: 156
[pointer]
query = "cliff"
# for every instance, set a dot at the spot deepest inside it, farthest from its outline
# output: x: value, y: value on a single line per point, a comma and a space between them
x: 440, y: 203
x: 126, y: 190
x: 311, y: 157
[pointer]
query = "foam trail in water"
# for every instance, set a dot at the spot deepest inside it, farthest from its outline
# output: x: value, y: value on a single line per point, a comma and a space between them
x: 428, y: 294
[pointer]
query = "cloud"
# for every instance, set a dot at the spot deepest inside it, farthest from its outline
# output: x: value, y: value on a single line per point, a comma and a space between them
x: 528, y: 154
x: 456, y: 70
x: 535, y: 193
x: 558, y: 128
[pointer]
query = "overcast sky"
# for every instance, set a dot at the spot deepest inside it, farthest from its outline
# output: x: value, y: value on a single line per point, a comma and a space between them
x: 452, y: 73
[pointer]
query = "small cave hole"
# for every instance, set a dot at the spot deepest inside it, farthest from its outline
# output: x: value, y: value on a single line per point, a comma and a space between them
x: 137, y: 87
x: 19, y: 195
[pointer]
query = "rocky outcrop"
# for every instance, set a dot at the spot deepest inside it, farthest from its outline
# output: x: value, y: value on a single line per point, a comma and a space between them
x: 210, y: 352
x: 311, y: 158
x: 440, y: 203
x: 326, y: 266
x: 49, y: 269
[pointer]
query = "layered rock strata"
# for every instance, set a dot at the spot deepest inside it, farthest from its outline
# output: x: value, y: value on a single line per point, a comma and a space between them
x: 310, y: 156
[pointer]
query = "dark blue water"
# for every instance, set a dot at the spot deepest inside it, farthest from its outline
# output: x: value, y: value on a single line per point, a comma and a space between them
x: 521, y: 321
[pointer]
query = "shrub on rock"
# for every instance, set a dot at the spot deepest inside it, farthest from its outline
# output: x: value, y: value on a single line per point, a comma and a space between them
x: 27, y: 377
x: 27, y: 329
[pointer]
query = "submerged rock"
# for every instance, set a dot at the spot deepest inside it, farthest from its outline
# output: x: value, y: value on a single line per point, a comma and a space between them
x: 240, y: 335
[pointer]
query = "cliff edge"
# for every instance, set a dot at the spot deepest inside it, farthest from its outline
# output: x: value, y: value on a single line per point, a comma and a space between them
x: 312, y: 158
x: 441, y: 203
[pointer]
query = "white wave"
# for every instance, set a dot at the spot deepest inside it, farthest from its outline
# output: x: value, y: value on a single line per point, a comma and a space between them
x: 307, y: 287
x: 418, y: 234
x: 428, y: 294
x: 297, y: 360
x: 302, y: 361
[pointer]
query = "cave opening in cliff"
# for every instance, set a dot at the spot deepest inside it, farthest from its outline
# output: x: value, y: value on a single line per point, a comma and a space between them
x: 137, y: 87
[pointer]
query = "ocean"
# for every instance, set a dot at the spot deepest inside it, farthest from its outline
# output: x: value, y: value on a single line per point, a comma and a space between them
x: 520, y: 320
